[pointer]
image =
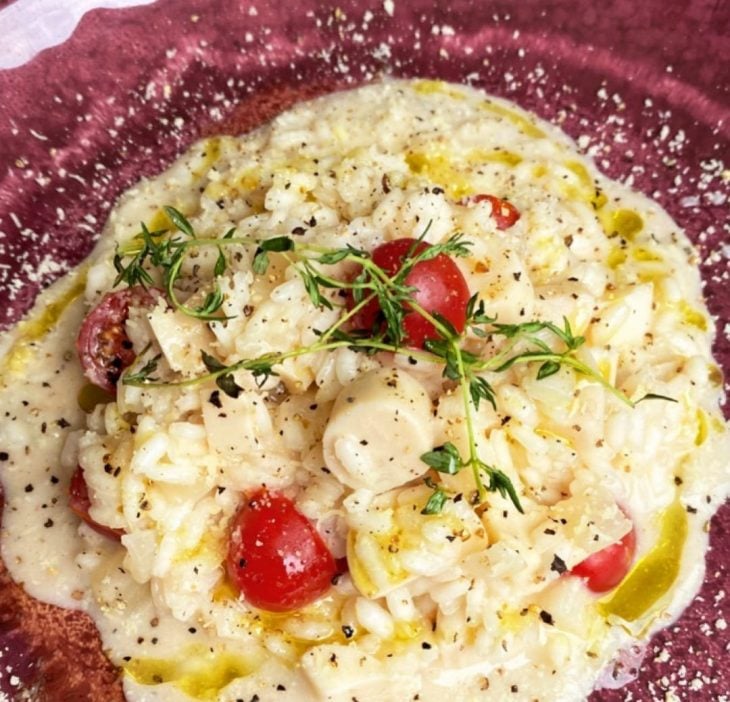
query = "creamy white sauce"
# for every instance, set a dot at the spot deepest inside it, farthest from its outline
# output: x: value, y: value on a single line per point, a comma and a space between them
x: 59, y: 561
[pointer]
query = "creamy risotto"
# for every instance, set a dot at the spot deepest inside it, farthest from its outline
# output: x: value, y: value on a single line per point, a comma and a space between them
x: 394, y: 397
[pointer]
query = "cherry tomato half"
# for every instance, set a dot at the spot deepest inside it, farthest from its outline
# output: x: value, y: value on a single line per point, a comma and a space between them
x: 606, y: 568
x: 275, y: 556
x: 440, y: 287
x: 102, y: 344
x: 504, y: 213
x: 79, y: 502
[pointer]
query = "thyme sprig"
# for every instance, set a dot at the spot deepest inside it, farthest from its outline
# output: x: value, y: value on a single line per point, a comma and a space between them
x: 165, y: 252
x: 534, y: 342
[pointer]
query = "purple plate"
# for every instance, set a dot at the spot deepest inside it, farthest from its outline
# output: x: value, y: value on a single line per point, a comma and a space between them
x: 644, y: 87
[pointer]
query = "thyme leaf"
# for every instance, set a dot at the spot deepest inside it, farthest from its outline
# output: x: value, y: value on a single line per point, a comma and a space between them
x: 223, y: 376
x: 337, y: 255
x: 212, y: 303
x: 444, y: 459
x: 229, y: 386
x: 654, y: 396
x: 144, y: 374
x: 212, y: 363
x: 313, y: 282
x: 180, y: 221
x: 547, y: 369
x: 437, y: 500
x: 480, y: 389
x: 260, y: 261
x: 500, y: 482
x: 261, y: 368
x: 476, y: 314
x: 220, y: 264
x: 277, y: 243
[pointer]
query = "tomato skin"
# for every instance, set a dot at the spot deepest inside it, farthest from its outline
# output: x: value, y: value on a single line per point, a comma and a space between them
x: 276, y: 558
x: 606, y: 568
x: 79, y: 503
x: 504, y: 213
x: 440, y: 287
x: 102, y: 344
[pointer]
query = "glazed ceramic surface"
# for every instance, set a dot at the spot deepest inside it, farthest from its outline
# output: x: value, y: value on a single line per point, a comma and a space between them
x: 643, y: 87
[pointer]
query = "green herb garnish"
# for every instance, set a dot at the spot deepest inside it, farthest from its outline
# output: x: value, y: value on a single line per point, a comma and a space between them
x: 163, y: 254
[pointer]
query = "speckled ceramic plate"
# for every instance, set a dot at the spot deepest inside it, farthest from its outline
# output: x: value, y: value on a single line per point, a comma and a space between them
x: 643, y: 87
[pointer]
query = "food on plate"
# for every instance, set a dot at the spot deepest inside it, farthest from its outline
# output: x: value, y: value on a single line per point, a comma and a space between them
x: 394, y: 396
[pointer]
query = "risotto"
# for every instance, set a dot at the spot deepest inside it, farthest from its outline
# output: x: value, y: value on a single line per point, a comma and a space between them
x: 393, y: 397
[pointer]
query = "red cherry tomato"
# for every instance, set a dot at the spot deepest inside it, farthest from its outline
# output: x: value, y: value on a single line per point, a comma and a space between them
x: 606, y: 568
x: 79, y: 502
x: 440, y: 287
x: 102, y: 344
x: 275, y: 556
x: 504, y: 213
